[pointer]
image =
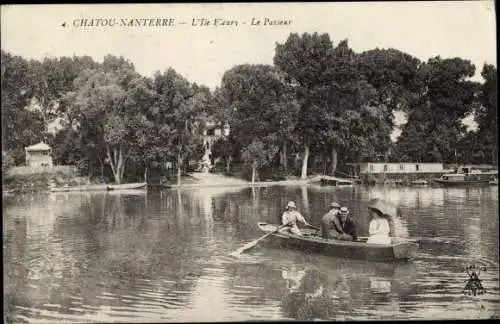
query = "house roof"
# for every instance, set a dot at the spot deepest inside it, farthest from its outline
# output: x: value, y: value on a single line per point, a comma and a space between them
x: 38, y: 147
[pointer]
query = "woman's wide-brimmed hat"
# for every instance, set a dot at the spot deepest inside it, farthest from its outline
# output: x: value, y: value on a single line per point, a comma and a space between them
x: 384, y: 208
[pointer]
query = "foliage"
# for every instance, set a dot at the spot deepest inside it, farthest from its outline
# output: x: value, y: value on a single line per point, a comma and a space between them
x: 319, y: 99
x: 7, y: 161
x: 487, y: 113
x: 434, y: 125
x: 260, y: 109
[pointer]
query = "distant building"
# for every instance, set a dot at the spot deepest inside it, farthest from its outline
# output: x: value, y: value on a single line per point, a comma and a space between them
x: 38, y: 155
x: 395, y: 168
x: 212, y: 132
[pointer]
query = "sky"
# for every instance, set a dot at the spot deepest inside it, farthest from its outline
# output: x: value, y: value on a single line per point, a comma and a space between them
x: 202, y: 54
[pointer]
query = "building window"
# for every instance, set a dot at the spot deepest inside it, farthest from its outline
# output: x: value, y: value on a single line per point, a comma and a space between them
x: 211, y: 132
x: 385, y: 168
x: 416, y: 167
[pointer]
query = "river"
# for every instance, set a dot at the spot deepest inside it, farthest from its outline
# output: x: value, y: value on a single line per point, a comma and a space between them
x: 164, y: 256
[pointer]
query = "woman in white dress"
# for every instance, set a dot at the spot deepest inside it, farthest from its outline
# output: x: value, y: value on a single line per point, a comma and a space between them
x: 379, y: 228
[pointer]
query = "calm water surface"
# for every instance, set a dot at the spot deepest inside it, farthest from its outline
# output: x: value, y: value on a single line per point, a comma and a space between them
x: 164, y: 256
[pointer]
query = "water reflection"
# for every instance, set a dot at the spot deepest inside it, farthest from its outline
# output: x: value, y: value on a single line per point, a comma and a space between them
x: 163, y: 256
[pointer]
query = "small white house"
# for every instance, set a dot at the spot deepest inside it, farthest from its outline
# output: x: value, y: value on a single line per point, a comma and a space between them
x: 380, y: 167
x: 38, y: 155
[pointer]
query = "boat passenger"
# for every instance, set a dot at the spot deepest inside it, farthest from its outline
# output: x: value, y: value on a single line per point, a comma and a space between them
x: 379, y: 228
x: 329, y: 217
x: 291, y: 216
x: 339, y: 226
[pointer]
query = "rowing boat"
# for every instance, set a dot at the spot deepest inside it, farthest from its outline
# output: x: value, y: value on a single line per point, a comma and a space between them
x: 309, y: 242
x: 127, y: 186
x: 101, y: 187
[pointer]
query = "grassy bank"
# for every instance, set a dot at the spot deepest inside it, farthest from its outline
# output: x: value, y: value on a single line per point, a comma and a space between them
x: 25, y: 183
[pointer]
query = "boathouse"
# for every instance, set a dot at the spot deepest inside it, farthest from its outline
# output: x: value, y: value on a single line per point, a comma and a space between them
x: 38, y: 155
x: 380, y: 172
x: 378, y: 167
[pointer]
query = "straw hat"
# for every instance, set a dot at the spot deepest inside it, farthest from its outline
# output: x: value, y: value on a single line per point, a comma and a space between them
x: 334, y: 205
x: 291, y: 204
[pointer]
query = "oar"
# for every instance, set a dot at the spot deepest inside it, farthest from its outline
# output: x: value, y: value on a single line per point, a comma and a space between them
x: 250, y: 245
x: 314, y: 227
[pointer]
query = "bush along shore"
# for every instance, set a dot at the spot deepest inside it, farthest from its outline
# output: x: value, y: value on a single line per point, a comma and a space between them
x: 40, y: 182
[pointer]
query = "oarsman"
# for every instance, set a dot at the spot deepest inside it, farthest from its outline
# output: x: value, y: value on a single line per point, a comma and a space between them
x: 290, y: 218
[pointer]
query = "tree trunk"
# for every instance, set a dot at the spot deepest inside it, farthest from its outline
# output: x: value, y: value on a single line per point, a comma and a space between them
x: 285, y: 159
x: 102, y: 169
x: 179, y: 165
x: 254, y: 171
x: 121, y: 165
x: 303, y: 175
x: 228, y: 164
x: 334, y: 161
x: 116, y: 162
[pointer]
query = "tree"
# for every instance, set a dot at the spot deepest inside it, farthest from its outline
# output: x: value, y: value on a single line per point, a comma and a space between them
x: 487, y: 114
x: 331, y: 91
x: 445, y: 98
x: 226, y: 148
x: 393, y: 74
x: 306, y: 60
x: 259, y: 153
x: 104, y: 122
x: 21, y: 126
x: 179, y: 114
x: 7, y: 161
x: 257, y: 104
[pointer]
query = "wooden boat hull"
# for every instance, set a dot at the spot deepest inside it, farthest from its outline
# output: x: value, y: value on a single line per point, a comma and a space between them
x: 102, y: 187
x: 402, y: 251
x: 127, y: 186
x: 419, y: 183
x: 455, y: 183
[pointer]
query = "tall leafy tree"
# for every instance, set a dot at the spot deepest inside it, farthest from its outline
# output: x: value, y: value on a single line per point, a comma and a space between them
x: 99, y: 99
x: 331, y: 90
x: 394, y: 76
x: 178, y: 113
x: 260, y: 109
x: 306, y: 60
x: 446, y: 97
x: 21, y: 126
x: 487, y: 113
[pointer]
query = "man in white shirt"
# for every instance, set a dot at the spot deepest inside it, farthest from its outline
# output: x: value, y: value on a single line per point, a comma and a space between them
x: 291, y: 216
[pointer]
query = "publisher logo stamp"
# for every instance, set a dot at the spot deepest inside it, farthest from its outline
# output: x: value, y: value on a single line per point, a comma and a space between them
x: 473, y: 285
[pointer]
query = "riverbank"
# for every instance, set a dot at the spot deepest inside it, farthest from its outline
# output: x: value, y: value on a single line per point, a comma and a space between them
x: 243, y: 184
x: 26, y: 183
x: 35, y: 182
x: 207, y: 180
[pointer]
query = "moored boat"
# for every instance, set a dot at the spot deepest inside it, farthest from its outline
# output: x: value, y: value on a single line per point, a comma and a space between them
x: 96, y: 187
x: 127, y: 186
x: 420, y: 182
x: 464, y: 177
x: 101, y: 187
x: 397, y: 251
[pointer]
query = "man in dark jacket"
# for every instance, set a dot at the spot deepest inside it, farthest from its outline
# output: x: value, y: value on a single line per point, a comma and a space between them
x: 339, y: 226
